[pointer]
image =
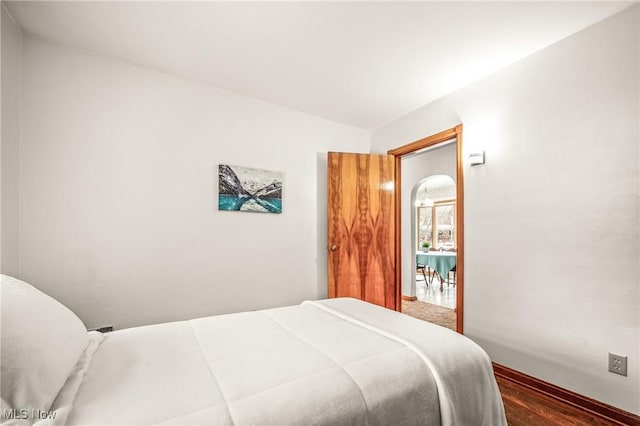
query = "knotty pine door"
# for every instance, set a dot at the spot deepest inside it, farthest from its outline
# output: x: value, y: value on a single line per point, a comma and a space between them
x: 361, y: 233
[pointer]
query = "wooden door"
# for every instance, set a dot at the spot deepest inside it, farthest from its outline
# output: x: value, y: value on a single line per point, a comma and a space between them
x: 361, y: 227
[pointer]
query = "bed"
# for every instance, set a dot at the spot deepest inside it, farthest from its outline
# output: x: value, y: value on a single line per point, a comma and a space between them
x: 329, y: 362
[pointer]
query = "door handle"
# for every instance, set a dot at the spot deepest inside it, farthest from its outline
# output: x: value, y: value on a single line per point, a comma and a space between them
x: 334, y: 247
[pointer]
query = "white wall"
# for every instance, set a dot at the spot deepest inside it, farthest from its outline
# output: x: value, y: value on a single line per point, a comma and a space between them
x: 11, y: 40
x: 551, y: 220
x: 438, y: 161
x: 119, y: 184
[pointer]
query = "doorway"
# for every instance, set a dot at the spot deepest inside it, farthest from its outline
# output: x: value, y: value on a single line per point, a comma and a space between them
x: 431, y: 248
x: 449, y: 136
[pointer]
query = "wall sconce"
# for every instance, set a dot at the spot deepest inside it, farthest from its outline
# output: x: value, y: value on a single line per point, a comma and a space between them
x: 476, y: 158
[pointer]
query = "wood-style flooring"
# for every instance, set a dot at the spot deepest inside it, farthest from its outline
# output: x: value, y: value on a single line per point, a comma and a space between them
x: 526, y: 407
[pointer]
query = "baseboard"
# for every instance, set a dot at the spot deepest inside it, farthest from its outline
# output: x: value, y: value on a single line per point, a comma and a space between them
x: 600, y: 409
x: 409, y: 298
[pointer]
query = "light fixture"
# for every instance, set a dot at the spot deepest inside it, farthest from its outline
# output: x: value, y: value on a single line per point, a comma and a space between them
x: 476, y: 158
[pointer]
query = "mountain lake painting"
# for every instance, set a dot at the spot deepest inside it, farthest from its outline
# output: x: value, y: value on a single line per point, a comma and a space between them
x: 249, y: 190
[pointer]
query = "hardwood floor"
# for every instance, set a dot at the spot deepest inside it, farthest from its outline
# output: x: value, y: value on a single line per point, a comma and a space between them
x: 527, y: 407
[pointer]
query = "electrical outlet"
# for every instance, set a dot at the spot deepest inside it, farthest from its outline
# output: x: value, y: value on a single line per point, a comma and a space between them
x: 618, y: 364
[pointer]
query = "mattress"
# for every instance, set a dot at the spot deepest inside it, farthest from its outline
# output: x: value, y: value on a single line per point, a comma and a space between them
x: 338, y: 361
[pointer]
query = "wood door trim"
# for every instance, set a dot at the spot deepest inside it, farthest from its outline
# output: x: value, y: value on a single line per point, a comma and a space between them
x: 460, y: 229
x: 430, y: 141
x: 423, y: 143
x: 581, y: 402
x: 397, y: 248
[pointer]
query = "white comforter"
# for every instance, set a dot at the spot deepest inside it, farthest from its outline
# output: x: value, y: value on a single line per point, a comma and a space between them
x: 332, y: 362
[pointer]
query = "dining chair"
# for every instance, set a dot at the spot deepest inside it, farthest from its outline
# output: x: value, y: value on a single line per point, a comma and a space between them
x: 449, y: 279
x: 422, y: 268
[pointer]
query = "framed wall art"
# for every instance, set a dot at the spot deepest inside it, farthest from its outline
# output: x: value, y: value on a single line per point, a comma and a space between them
x: 249, y: 190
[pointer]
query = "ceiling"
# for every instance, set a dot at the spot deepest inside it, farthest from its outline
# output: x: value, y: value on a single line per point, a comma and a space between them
x: 358, y: 63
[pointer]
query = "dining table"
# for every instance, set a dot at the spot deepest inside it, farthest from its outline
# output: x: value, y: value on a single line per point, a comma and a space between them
x: 440, y: 261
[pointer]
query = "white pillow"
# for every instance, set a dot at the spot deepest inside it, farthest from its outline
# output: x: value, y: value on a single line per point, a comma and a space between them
x: 42, y: 340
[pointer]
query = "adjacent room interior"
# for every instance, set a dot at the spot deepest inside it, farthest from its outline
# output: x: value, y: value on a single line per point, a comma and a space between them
x: 429, y: 234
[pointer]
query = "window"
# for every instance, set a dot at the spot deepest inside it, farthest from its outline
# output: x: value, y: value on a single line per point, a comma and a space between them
x: 436, y: 225
x: 425, y: 226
